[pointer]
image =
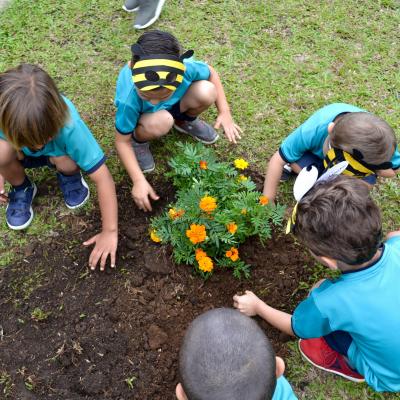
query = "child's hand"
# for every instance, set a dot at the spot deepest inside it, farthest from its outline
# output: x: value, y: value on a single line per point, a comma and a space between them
x: 142, y: 192
x: 3, y: 194
x: 247, y: 304
x: 105, y: 245
x: 231, y: 130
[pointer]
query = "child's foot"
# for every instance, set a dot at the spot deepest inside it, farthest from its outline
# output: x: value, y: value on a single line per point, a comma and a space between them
x: 74, y: 188
x: 287, y: 173
x: 131, y: 5
x: 144, y: 156
x: 198, y: 129
x: 19, y: 213
x: 148, y: 13
x: 319, y: 354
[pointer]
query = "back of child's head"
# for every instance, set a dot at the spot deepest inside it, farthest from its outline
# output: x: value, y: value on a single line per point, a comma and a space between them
x: 338, y: 219
x: 361, y: 132
x: 32, y: 110
x: 226, y: 356
x: 159, y: 42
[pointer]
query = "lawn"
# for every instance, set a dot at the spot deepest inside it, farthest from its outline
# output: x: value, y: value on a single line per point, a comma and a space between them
x: 279, y: 61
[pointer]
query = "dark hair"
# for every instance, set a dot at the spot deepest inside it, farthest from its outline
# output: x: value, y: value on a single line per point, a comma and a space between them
x: 32, y: 110
x: 338, y: 219
x: 158, y: 42
x: 366, y: 133
x: 226, y: 356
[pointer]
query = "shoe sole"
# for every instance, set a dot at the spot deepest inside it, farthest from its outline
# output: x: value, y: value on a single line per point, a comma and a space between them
x: 84, y: 200
x: 176, y: 127
x: 128, y: 10
x: 357, y: 380
x: 154, y: 19
x: 148, y: 170
x: 24, y: 226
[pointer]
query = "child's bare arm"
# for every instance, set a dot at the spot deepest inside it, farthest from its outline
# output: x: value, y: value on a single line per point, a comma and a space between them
x: 392, y: 234
x: 224, y: 120
x: 107, y: 240
x: 250, y: 305
x: 142, y: 191
x: 273, y: 175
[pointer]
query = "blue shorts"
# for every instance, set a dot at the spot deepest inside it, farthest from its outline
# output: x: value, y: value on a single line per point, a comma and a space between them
x: 309, y: 158
x: 36, y: 162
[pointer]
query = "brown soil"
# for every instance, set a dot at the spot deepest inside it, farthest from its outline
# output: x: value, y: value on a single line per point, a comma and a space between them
x: 105, y: 328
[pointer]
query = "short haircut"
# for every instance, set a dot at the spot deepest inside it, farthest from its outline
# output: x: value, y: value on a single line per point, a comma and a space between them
x: 367, y: 133
x: 159, y: 42
x: 226, y: 356
x: 338, y: 219
x: 32, y: 110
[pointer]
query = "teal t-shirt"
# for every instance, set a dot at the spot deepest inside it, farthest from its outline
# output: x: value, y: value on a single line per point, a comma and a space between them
x: 74, y: 140
x: 365, y: 304
x: 283, y: 390
x: 310, y: 136
x: 130, y: 106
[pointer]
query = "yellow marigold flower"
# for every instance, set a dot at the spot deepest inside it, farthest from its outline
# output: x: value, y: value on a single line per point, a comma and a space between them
x: 196, y: 233
x: 240, y: 163
x: 263, y: 200
x: 244, y: 211
x: 208, y: 204
x: 200, y: 253
x: 203, y: 164
x: 206, y: 264
x: 232, y: 228
x: 242, y: 178
x: 174, y: 214
x: 154, y: 237
x: 233, y: 254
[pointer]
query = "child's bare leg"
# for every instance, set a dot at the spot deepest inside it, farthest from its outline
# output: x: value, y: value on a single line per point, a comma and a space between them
x: 153, y: 125
x: 295, y: 168
x: 10, y: 167
x: 65, y: 165
x: 199, y: 97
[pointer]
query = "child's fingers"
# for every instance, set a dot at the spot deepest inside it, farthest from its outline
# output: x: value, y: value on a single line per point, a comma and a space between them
x: 113, y: 256
x: 153, y: 194
x: 94, y: 259
x: 238, y: 128
x: 249, y: 292
x: 103, y: 260
x: 90, y: 241
x: 146, y: 204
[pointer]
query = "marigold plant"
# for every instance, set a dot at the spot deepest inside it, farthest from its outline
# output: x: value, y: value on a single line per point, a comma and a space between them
x: 216, y: 209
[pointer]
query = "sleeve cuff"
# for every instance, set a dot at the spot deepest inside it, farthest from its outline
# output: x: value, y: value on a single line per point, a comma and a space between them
x: 123, y: 133
x: 282, y: 154
x: 97, y: 165
x: 291, y: 323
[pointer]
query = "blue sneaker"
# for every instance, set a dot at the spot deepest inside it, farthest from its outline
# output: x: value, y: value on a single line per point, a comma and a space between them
x: 19, y: 213
x: 74, y: 188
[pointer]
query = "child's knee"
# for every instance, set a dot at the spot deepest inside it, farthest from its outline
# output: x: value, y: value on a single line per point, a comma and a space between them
x: 206, y: 92
x: 7, y: 153
x: 64, y: 164
x: 160, y: 123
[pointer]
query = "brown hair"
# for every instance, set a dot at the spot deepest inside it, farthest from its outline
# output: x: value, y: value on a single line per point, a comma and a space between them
x: 367, y: 133
x: 32, y: 110
x: 338, y: 219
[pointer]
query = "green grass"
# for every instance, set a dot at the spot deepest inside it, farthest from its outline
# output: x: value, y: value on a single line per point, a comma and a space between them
x: 279, y: 61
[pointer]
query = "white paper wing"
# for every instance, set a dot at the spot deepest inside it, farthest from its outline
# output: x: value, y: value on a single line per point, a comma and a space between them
x: 304, y: 182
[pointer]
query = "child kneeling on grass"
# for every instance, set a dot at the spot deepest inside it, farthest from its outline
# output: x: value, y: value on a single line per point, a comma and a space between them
x: 350, y: 325
x: 335, y: 133
x: 226, y: 356
x: 39, y: 127
x: 158, y: 89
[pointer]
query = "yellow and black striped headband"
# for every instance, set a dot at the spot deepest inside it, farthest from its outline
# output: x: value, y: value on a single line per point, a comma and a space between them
x: 356, y: 167
x: 152, y: 71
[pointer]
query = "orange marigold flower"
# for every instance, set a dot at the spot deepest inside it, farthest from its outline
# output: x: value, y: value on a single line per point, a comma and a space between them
x: 233, y: 254
x: 232, y: 228
x: 244, y: 211
x: 242, y: 178
x: 206, y: 264
x: 263, y: 200
x: 203, y: 164
x: 196, y: 233
x: 208, y: 204
x: 200, y: 253
x: 154, y: 237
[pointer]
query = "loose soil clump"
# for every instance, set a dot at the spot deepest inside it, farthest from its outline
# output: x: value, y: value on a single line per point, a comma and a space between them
x: 116, y: 335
